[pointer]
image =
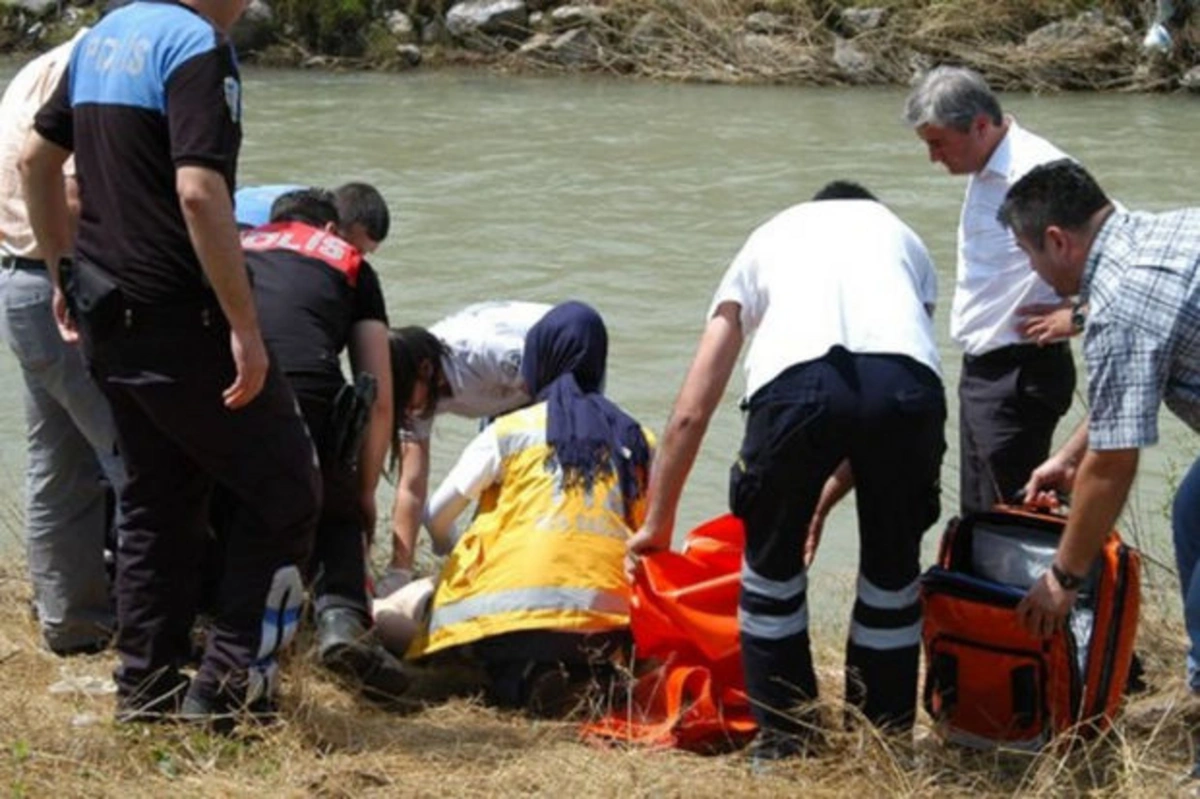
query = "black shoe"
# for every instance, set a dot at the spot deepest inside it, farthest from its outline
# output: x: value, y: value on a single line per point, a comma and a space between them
x: 221, y: 715
x: 156, y: 701
x: 347, y: 647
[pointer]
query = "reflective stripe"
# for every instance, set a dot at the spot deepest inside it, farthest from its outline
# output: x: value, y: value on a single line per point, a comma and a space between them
x: 518, y: 599
x: 755, y: 583
x: 281, y: 614
x: 773, y: 628
x: 877, y: 597
x: 877, y: 638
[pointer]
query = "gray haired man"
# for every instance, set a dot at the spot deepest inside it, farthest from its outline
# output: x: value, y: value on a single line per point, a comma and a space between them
x: 1018, y: 377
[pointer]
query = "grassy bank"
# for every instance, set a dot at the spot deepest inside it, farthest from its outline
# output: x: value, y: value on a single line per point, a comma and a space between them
x: 55, y: 741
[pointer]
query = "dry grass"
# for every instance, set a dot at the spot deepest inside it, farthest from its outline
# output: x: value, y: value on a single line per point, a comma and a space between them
x: 330, y: 745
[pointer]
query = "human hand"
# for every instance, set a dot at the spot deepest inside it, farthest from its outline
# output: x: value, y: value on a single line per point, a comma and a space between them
x: 644, y: 542
x: 1055, y: 476
x: 813, y: 540
x: 250, y: 358
x: 1045, y: 323
x: 62, y: 317
x: 1045, y: 606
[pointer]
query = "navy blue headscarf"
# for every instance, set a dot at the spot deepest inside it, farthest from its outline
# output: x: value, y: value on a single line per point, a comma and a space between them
x: 564, y: 363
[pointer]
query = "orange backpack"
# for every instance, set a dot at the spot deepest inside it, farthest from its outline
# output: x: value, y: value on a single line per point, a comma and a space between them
x: 988, y: 682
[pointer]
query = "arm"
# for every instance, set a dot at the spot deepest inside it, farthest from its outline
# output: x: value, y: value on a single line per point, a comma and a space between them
x: 48, y: 201
x: 444, y: 509
x: 837, y: 486
x: 412, y: 487
x: 369, y: 353
x: 1045, y: 324
x: 702, y: 389
x: 1101, y: 488
x: 1058, y: 471
x: 208, y: 213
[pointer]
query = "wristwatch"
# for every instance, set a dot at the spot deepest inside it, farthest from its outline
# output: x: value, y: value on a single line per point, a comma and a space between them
x: 1078, y: 317
x: 1068, y: 581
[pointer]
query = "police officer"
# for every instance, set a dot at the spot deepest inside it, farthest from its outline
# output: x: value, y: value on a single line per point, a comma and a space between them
x: 318, y: 297
x: 151, y: 106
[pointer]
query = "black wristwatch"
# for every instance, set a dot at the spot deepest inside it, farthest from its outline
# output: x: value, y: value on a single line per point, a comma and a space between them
x: 1078, y: 317
x: 1068, y: 581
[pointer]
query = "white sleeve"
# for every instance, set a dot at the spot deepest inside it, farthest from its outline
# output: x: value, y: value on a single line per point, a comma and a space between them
x: 477, y: 468
x: 740, y: 285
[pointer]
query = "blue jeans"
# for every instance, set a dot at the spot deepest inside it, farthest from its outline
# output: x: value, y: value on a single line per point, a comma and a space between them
x: 71, y: 445
x: 1185, y: 528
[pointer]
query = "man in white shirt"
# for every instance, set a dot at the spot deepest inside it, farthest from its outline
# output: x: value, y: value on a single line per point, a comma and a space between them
x: 71, y: 436
x: 843, y: 388
x: 468, y: 364
x: 1018, y: 376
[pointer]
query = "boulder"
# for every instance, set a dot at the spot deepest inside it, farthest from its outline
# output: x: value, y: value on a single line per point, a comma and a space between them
x: 766, y: 23
x: 410, y: 54
x: 582, y: 16
x: 472, y: 18
x: 1191, y: 79
x: 861, y: 20
x: 1090, y: 27
x: 256, y: 28
x: 854, y: 64
x: 401, y: 26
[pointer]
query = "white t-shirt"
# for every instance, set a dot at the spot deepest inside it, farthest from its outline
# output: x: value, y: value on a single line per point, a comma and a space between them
x: 486, y: 342
x: 830, y: 273
x: 994, y: 275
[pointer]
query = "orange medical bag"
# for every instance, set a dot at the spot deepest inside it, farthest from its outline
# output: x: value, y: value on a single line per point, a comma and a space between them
x: 988, y: 682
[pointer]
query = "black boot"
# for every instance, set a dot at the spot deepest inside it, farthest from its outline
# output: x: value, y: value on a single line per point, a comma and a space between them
x: 347, y: 647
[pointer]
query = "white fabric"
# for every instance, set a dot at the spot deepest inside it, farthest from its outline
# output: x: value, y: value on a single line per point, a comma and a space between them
x: 994, y: 276
x: 477, y: 468
x: 830, y: 273
x: 26, y: 93
x: 486, y: 343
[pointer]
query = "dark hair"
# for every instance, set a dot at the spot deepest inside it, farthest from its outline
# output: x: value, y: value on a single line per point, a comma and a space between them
x: 1060, y: 193
x: 410, y: 347
x: 360, y: 203
x: 310, y: 206
x: 843, y: 190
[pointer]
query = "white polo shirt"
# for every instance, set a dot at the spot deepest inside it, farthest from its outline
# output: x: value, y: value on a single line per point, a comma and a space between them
x: 832, y: 273
x: 486, y: 342
x: 994, y: 276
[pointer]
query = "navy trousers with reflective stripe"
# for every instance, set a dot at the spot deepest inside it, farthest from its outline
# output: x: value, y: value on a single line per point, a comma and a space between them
x: 886, y: 413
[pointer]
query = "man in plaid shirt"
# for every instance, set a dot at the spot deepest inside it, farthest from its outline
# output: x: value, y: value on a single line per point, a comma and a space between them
x: 1140, y: 275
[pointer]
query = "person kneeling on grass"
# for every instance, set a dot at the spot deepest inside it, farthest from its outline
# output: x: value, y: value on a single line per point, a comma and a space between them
x: 535, y: 589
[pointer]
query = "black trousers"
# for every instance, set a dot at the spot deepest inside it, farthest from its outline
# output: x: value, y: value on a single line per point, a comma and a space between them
x: 1010, y: 401
x: 887, y: 414
x: 338, y: 567
x: 163, y: 370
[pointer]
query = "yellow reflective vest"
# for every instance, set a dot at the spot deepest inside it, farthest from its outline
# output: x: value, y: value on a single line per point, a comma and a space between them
x: 536, y: 556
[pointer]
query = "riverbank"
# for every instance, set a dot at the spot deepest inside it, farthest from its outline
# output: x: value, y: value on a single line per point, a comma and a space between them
x: 1039, y: 45
x: 57, y: 739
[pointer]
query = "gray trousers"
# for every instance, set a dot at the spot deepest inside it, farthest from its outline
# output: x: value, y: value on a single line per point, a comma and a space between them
x: 71, y: 445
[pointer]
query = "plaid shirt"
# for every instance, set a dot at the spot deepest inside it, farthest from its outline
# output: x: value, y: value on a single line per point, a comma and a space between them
x: 1142, y: 345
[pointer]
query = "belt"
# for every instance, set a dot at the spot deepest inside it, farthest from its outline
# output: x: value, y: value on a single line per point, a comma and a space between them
x: 27, y: 264
x: 180, y: 317
x: 1016, y: 353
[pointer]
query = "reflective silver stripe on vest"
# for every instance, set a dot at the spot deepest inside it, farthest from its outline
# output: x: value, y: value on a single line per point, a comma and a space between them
x: 879, y: 638
x: 528, y: 599
x: 755, y: 583
x: 876, y: 597
x: 773, y: 628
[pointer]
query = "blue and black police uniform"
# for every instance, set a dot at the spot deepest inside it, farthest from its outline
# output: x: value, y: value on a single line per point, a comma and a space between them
x: 152, y: 88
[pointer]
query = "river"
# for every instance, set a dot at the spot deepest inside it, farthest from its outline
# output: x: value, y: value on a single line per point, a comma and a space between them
x: 634, y: 197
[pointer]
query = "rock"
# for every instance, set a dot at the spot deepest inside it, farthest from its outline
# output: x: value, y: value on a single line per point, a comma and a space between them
x: 860, y: 20
x: 567, y: 17
x: 1090, y: 27
x: 38, y: 7
x: 766, y: 23
x: 401, y: 26
x: 471, y: 18
x: 1191, y: 79
x: 578, y: 47
x: 410, y: 54
x: 256, y: 29
x: 647, y: 33
x: 434, y: 32
x: 537, y: 20
x: 854, y: 64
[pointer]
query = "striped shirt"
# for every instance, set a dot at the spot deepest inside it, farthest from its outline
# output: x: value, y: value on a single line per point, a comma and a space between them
x: 1142, y: 345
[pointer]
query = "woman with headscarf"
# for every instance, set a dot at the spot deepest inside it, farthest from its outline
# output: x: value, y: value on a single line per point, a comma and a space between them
x: 535, y: 586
